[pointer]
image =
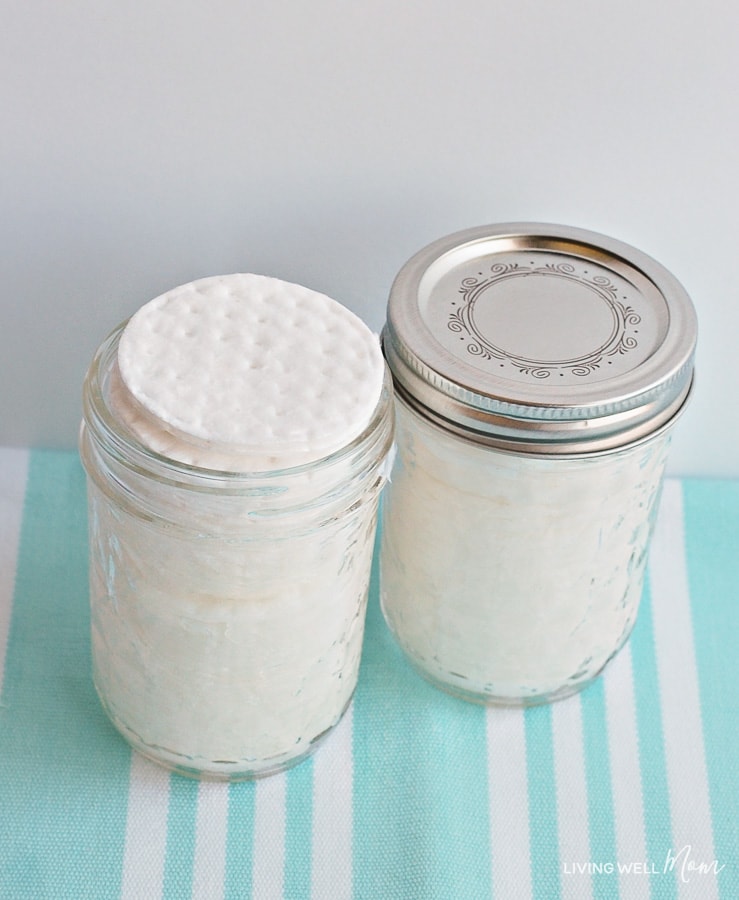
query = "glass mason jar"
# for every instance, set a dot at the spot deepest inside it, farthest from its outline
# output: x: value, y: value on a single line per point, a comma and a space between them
x: 227, y: 607
x: 539, y: 371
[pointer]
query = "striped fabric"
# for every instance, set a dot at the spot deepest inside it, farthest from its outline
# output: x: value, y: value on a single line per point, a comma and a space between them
x: 629, y: 790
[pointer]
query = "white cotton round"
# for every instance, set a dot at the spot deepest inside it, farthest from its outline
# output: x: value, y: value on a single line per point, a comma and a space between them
x: 247, y: 369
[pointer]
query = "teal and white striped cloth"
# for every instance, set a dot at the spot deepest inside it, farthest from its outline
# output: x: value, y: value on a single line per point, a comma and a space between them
x: 629, y: 790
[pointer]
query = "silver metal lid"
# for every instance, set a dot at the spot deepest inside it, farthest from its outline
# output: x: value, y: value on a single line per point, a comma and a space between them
x: 540, y: 338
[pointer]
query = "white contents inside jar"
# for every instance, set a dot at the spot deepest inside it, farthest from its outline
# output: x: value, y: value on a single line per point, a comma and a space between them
x: 513, y: 578
x: 231, y: 537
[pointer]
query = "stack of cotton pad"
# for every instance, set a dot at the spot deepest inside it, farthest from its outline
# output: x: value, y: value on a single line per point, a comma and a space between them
x: 246, y: 373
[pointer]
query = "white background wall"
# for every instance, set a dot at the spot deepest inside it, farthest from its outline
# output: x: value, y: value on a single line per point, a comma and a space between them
x: 144, y: 144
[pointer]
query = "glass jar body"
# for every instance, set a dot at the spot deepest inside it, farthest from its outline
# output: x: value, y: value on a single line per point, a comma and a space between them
x: 227, y: 609
x: 513, y: 579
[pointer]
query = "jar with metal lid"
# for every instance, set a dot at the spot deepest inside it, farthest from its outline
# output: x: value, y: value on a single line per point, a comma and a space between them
x: 228, y: 602
x: 539, y: 371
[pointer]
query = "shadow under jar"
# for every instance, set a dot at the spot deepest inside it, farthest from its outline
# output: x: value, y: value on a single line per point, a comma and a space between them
x: 539, y: 371
x: 227, y: 606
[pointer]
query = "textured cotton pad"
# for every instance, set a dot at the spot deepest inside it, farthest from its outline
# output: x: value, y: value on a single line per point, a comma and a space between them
x: 252, y: 366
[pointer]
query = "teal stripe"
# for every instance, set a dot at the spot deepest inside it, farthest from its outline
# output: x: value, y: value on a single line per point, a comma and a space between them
x: 298, y: 831
x: 421, y: 823
x: 543, y: 824
x: 652, y: 761
x: 63, y: 818
x: 711, y: 512
x: 600, y: 796
x: 240, y: 841
x: 180, y: 853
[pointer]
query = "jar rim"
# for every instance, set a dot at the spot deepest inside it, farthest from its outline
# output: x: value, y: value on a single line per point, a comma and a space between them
x: 531, y: 449
x: 110, y: 432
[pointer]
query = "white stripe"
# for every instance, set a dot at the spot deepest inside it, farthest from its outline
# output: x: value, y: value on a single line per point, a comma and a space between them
x: 13, y: 475
x: 331, y: 866
x: 268, y: 873
x: 211, y: 827
x: 572, y: 797
x: 146, y: 830
x: 509, y: 803
x: 626, y: 784
x: 678, y: 681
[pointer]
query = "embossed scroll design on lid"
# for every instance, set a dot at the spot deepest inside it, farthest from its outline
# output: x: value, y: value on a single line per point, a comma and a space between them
x: 620, y: 341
